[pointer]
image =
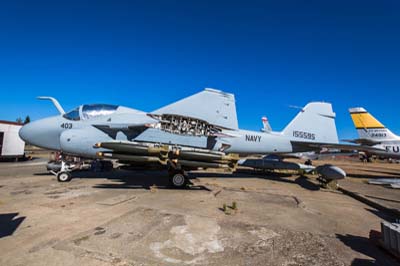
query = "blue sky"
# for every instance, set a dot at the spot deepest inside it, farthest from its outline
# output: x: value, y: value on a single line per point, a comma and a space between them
x: 146, y: 54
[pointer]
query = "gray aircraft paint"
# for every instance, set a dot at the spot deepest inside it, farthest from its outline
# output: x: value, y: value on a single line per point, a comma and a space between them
x: 314, y: 124
x: 214, y: 106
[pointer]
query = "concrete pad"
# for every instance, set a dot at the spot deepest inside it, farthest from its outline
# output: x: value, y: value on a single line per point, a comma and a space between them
x: 279, y: 220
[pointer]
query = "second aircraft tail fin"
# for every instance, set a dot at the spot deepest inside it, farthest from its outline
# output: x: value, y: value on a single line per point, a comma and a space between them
x: 368, y: 127
x: 266, y: 126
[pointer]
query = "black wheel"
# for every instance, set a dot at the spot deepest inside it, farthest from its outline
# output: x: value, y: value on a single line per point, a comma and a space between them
x: 178, y: 180
x: 308, y: 162
x: 64, y: 177
x: 107, y: 166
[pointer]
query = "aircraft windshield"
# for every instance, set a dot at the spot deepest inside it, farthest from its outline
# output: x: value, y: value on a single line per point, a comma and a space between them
x: 95, y: 110
x: 73, y: 115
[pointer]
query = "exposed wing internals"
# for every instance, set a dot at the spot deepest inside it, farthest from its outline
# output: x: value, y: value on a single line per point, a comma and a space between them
x: 216, y: 107
x: 185, y: 125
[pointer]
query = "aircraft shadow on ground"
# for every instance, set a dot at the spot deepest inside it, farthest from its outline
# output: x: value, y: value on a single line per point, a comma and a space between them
x: 364, y: 246
x: 381, y: 214
x: 302, y: 181
x: 9, y: 222
x: 140, y: 179
x: 395, y: 174
x: 42, y: 174
x: 371, y: 175
x: 123, y: 179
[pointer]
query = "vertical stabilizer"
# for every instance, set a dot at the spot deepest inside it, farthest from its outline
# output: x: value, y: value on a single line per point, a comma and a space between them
x: 314, y: 123
x: 368, y: 127
x: 266, y: 126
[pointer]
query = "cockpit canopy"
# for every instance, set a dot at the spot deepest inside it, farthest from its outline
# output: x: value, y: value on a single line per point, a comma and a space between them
x: 89, y: 111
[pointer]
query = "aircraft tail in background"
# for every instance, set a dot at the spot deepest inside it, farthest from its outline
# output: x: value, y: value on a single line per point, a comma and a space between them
x: 368, y: 127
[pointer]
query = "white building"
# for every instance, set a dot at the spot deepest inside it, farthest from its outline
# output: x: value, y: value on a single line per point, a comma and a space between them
x: 11, y: 145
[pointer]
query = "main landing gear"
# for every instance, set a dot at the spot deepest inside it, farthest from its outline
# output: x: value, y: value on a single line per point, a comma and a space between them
x: 178, y: 178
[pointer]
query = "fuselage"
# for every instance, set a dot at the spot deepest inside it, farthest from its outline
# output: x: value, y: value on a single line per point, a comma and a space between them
x: 255, y: 142
x: 391, y: 149
x: 78, y: 131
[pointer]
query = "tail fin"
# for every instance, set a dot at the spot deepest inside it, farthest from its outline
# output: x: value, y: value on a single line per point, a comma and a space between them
x: 314, y: 123
x: 368, y: 127
x: 266, y: 126
x: 214, y: 106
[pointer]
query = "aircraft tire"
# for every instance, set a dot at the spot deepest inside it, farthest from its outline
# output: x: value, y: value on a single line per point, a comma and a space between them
x: 64, y: 177
x: 178, y: 180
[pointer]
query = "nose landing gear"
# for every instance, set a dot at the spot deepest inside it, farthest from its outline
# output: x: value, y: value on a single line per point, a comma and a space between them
x: 64, y: 174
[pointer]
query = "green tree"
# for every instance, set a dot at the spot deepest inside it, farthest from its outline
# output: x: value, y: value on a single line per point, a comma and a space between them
x: 19, y: 120
x: 27, y: 119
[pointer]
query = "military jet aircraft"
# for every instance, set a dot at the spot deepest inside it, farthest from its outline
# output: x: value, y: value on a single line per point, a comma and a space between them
x: 373, y: 133
x: 198, y: 131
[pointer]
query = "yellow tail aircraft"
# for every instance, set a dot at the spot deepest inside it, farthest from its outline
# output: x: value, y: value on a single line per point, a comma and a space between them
x: 373, y: 133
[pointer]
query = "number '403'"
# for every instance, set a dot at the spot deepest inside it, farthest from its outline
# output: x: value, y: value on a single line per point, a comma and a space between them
x: 66, y: 125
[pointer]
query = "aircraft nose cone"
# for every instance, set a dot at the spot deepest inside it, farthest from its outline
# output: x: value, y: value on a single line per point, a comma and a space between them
x: 30, y: 133
x: 44, y: 133
x: 23, y: 133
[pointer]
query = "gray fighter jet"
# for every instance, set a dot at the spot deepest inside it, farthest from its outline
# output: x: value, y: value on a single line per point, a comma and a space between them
x: 197, y: 131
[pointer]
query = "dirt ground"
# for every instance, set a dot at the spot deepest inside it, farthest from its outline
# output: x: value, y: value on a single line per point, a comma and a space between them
x: 133, y: 218
x: 359, y: 173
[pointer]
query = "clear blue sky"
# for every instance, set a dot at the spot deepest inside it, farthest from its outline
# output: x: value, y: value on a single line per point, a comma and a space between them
x: 145, y: 54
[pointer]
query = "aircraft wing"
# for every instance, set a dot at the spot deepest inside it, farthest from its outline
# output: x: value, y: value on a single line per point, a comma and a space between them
x: 303, y: 146
x: 213, y: 106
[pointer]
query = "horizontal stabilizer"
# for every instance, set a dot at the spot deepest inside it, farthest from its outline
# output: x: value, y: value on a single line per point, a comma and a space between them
x: 307, y: 146
x: 368, y: 142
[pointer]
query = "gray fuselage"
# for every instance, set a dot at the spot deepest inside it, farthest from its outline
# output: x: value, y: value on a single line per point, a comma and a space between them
x: 78, y: 137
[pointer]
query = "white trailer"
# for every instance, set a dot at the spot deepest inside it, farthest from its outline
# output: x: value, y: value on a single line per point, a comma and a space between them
x: 11, y: 145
